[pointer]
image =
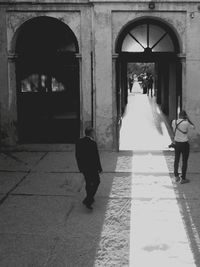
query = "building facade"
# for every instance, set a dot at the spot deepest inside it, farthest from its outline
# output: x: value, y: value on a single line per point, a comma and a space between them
x: 63, y: 65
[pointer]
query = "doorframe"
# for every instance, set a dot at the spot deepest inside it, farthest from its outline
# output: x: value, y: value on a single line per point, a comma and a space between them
x: 154, y: 57
x: 77, y: 58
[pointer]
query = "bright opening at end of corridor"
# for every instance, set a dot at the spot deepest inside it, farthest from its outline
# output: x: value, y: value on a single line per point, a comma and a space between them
x: 143, y: 124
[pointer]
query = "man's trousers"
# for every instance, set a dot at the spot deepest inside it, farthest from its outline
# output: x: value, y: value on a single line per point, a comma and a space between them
x: 92, y: 181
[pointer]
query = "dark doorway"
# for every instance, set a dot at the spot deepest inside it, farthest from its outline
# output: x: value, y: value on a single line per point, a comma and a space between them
x: 47, y: 73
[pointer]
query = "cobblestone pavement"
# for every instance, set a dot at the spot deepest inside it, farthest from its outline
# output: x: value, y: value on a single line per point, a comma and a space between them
x: 43, y: 222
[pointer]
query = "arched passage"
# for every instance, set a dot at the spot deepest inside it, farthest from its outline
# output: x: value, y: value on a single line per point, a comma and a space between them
x: 47, y: 72
x: 151, y: 42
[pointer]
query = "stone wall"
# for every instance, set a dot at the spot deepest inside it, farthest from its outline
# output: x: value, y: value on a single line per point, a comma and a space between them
x: 97, y: 24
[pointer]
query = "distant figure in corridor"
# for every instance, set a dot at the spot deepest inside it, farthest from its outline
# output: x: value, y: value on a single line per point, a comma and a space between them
x: 88, y: 161
x: 182, y: 147
x: 150, y: 85
x: 130, y: 81
x: 145, y: 83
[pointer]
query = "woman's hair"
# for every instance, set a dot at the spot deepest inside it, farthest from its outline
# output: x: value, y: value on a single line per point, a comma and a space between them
x: 183, y: 114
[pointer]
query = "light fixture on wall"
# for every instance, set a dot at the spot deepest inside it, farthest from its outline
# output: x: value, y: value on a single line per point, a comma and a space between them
x: 192, y: 15
x: 151, y: 5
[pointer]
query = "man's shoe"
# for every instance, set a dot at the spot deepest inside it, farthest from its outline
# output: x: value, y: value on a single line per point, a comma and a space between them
x: 89, y: 207
x: 177, y: 178
x: 84, y: 202
x: 184, y: 181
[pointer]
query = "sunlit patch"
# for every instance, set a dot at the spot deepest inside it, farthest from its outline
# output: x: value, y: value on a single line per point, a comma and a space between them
x: 113, y: 247
x: 143, y: 124
x: 158, y: 235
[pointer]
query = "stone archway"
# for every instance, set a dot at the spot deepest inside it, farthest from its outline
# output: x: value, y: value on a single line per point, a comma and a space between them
x: 47, y: 74
x: 152, y: 41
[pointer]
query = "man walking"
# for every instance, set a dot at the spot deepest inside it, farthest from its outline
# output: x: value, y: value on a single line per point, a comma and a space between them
x: 88, y: 161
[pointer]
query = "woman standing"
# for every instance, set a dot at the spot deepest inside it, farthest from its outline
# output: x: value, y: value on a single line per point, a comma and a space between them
x: 182, y: 147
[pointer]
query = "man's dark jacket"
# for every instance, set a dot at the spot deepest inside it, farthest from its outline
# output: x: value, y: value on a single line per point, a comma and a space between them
x: 87, y: 155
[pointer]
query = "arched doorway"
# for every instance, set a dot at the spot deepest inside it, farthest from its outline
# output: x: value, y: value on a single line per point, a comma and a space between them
x: 47, y: 72
x: 150, y: 41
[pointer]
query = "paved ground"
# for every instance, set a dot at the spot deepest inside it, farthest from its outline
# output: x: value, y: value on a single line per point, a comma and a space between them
x: 139, y: 212
x: 141, y: 217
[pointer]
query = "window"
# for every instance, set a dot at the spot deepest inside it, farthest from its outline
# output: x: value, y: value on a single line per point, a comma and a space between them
x: 41, y: 83
x: 147, y: 37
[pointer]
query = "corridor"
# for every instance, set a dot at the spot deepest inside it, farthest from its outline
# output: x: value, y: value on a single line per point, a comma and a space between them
x: 158, y: 235
x: 143, y: 125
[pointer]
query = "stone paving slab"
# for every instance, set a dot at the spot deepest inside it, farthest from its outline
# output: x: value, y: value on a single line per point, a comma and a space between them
x: 19, y: 161
x: 25, y: 249
x: 164, y: 242
x: 40, y: 147
x: 188, y: 198
x: 85, y: 240
x: 149, y: 162
x: 189, y: 209
x: 110, y: 184
x: 51, y: 184
x: 61, y: 240
x: 9, y: 180
x: 66, y: 162
x: 34, y: 214
x: 117, y: 162
x: 153, y: 187
x: 193, y: 162
x: 2, y: 196
x: 57, y: 162
x: 189, y: 190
